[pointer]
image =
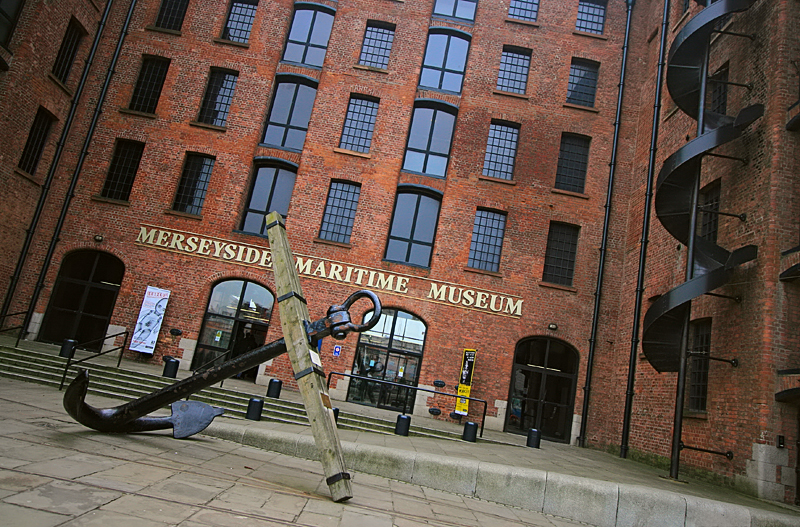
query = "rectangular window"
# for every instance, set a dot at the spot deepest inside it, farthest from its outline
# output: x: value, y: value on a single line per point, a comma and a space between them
x: 218, y: 97
x: 240, y: 21
x: 686, y: 5
x: 445, y: 61
x: 464, y: 9
x: 9, y: 11
x: 121, y: 173
x: 66, y: 53
x: 413, y: 228
x: 377, y: 45
x: 501, y: 151
x: 573, y: 160
x: 487, y: 240
x: 359, y: 124
x: 708, y: 222
x: 308, y: 36
x: 37, y: 139
x: 719, y: 91
x: 698, y: 366
x: 271, y: 191
x: 514, y: 65
x: 559, y: 258
x: 429, y: 140
x: 524, y: 10
x: 290, y: 114
x: 171, y: 14
x: 582, y: 87
x: 591, y: 16
x: 340, y: 212
x: 149, y: 84
x: 193, y: 184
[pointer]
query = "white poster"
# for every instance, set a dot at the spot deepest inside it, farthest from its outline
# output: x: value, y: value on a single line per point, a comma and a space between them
x: 149, y: 322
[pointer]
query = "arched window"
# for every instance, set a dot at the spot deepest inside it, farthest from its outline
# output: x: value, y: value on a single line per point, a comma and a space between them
x: 290, y: 113
x: 308, y: 36
x: 391, y: 351
x: 430, y: 138
x: 236, y: 321
x: 445, y: 60
x: 413, y: 230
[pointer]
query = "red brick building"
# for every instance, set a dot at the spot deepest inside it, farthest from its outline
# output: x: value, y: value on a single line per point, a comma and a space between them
x: 450, y: 155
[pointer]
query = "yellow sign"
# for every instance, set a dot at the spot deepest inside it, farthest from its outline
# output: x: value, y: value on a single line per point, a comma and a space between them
x: 462, y: 405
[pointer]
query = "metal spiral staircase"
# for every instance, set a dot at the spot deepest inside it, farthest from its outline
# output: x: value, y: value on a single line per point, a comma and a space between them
x: 678, y: 184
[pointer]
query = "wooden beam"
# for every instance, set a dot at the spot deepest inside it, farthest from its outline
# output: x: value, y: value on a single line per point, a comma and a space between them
x: 305, y: 360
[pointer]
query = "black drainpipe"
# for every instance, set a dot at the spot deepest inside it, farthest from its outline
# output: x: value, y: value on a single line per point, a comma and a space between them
x: 23, y: 255
x: 74, y: 182
x: 587, y: 388
x: 648, y: 199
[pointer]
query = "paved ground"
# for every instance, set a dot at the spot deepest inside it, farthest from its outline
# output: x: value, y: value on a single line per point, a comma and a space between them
x: 54, y: 472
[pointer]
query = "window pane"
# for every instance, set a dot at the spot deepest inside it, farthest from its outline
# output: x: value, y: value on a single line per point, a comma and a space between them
x: 193, y: 184
x: 66, y: 53
x: 559, y: 260
x: 573, y: 160
x: 340, y: 212
x: 271, y: 191
x: 404, y: 215
x: 359, y: 125
x: 524, y: 10
x: 442, y: 132
x: 171, y: 14
x: 377, y: 45
x: 308, y: 36
x: 513, y: 76
x: 240, y: 20
x: 487, y: 240
x: 445, y: 62
x: 37, y: 139
x: 429, y: 141
x: 591, y: 16
x: 149, y: 84
x: 421, y: 123
x: 218, y: 97
x: 501, y: 151
x: 413, y: 229
x: 582, y: 82
x: 122, y: 171
x: 289, y: 115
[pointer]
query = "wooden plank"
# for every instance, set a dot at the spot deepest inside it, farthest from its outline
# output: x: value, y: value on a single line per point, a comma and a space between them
x: 305, y: 361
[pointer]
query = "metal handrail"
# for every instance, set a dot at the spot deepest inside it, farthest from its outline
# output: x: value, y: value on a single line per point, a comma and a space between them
x: 225, y: 357
x: 15, y: 327
x: 70, y: 362
x: 415, y: 388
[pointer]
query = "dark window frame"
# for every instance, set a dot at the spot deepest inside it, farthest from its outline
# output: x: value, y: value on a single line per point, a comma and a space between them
x: 428, y: 153
x: 376, y: 48
x: 359, y: 123
x: 699, y: 365
x: 708, y: 217
x: 454, y: 11
x: 171, y: 14
x: 149, y: 84
x: 415, y: 239
x: 584, y: 76
x: 290, y: 127
x: 573, y: 162
x: 9, y: 20
x: 501, y: 155
x: 340, y: 211
x: 308, y: 44
x: 125, y: 162
x: 445, y: 73
x: 239, y: 21
x: 36, y: 142
x: 486, y: 245
x: 218, y: 97
x: 252, y: 214
x: 515, y: 64
x: 718, y: 97
x: 561, y: 253
x: 527, y: 10
x: 68, y: 51
x: 192, y: 188
x: 591, y: 16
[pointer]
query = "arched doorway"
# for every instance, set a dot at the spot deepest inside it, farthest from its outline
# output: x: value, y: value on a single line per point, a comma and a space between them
x: 542, y: 392
x: 391, y: 351
x: 236, y: 321
x: 83, y: 298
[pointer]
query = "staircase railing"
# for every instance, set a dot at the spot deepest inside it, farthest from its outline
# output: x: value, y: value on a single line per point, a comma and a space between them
x: 71, y: 346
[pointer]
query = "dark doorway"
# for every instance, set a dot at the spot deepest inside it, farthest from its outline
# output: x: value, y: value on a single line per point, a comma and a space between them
x: 236, y: 321
x: 83, y: 298
x: 391, y: 351
x: 542, y: 392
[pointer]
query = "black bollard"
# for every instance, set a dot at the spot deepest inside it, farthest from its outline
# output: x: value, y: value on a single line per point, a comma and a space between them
x: 67, y: 349
x: 170, y: 367
x: 254, y: 408
x: 336, y: 415
x: 402, y: 426
x: 274, y: 389
x: 534, y: 438
x: 470, y: 432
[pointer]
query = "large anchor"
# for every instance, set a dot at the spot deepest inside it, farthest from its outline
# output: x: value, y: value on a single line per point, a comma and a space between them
x: 191, y: 417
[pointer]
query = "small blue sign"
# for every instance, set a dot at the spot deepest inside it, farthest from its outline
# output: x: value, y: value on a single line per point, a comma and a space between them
x: 337, y: 350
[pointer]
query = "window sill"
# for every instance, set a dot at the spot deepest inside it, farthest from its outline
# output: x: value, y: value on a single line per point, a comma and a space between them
x: 162, y: 30
x: 695, y: 414
x: 183, y: 214
x: 482, y: 271
x: 511, y: 94
x: 568, y: 289
x: 497, y: 180
x: 248, y: 233
x: 208, y: 126
x: 331, y: 242
x: 569, y: 193
x: 29, y: 177
x: 579, y: 107
x: 370, y: 68
x: 60, y: 84
x: 590, y: 35
x: 103, y: 199
x: 226, y: 42
x: 522, y: 22
x: 352, y: 153
x: 138, y: 113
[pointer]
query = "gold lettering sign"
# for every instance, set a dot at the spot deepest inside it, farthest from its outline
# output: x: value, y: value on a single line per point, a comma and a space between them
x: 211, y: 248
